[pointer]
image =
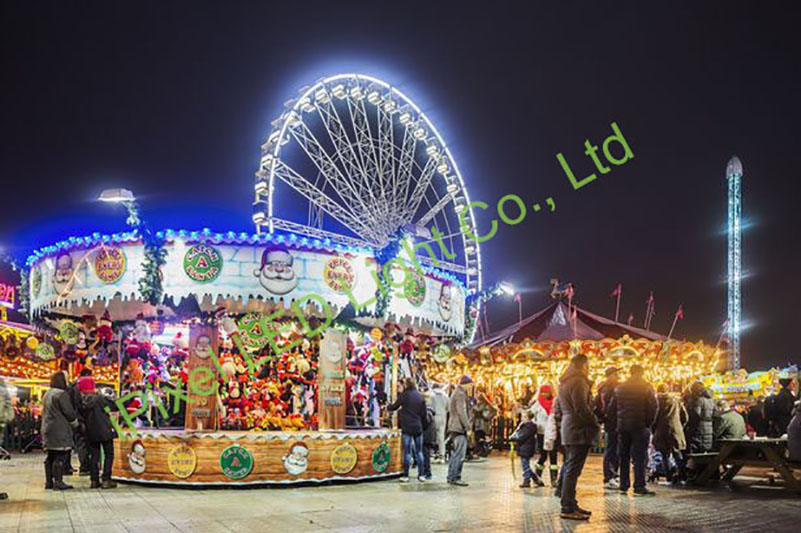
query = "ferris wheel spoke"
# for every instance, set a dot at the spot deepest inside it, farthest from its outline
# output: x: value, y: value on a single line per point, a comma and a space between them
x: 420, y: 188
x: 405, y: 168
x: 436, y: 208
x: 339, y: 137
x: 386, y: 161
x: 364, y: 142
x: 329, y: 171
x: 318, y: 197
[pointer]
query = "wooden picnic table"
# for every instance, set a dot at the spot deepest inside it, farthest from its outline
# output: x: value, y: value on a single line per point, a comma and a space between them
x: 734, y: 454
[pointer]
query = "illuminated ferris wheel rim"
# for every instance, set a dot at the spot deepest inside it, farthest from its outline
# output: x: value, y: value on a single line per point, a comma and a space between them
x: 308, y: 97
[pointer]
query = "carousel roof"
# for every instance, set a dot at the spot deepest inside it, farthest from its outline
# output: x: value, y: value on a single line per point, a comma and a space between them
x: 554, y: 323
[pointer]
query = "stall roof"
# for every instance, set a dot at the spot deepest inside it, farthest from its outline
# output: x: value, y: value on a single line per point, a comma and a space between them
x: 554, y: 323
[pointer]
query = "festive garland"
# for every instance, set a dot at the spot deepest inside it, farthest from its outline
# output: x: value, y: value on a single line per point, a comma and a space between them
x: 383, y: 293
x: 474, y: 302
x: 150, y: 286
x: 23, y: 296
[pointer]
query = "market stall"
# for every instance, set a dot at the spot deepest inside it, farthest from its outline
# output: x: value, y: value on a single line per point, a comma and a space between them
x: 299, y: 332
x: 514, y: 362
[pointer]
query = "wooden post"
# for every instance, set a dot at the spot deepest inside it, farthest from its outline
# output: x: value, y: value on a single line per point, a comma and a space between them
x: 394, y: 390
x: 331, y: 381
x: 201, y: 411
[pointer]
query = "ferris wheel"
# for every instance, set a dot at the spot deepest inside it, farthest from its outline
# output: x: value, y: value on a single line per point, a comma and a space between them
x: 365, y: 162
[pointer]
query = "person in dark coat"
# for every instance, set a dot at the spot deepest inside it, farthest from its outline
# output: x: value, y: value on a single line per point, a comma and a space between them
x: 606, y: 391
x: 578, y: 431
x: 412, y: 420
x: 460, y: 429
x: 756, y: 418
x: 526, y: 439
x: 79, y: 442
x: 99, y: 432
x: 633, y: 412
x: 779, y: 409
x: 699, y: 430
x: 59, y: 419
x: 429, y: 437
x: 727, y: 423
x: 669, y: 438
x: 794, y: 434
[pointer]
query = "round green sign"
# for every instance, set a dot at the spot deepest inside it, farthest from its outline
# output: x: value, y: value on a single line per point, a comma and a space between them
x: 236, y: 462
x: 381, y: 457
x: 442, y: 353
x: 415, y: 289
x: 203, y: 263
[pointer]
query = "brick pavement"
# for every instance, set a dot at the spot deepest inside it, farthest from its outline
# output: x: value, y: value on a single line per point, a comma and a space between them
x: 492, y: 503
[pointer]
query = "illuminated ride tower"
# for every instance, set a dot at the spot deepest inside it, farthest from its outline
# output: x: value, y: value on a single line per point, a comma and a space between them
x: 734, y: 175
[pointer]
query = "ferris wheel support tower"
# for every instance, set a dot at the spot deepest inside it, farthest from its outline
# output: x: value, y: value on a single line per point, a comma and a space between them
x: 734, y: 175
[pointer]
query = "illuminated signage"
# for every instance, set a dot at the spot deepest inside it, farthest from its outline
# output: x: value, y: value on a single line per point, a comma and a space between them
x: 8, y: 295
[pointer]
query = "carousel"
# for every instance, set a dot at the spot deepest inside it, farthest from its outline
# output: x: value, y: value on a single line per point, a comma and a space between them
x: 537, y: 350
x: 301, y: 330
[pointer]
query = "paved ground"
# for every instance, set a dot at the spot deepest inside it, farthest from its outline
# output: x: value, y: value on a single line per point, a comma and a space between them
x: 492, y: 503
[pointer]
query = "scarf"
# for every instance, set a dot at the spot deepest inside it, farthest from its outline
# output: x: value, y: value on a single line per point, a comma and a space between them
x: 546, y: 403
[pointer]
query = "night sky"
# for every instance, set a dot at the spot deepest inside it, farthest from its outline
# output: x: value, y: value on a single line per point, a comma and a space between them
x: 173, y: 99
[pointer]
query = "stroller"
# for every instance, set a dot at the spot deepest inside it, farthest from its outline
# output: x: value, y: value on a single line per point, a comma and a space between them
x: 659, y: 465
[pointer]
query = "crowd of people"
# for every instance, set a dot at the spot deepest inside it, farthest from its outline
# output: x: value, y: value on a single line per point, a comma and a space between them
x: 74, y: 417
x: 646, y: 432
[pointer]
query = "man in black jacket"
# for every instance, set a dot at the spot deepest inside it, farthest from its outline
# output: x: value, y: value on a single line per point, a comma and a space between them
x: 633, y: 411
x: 578, y: 430
x: 779, y: 408
x: 99, y: 432
x: 413, y: 421
x: 606, y: 391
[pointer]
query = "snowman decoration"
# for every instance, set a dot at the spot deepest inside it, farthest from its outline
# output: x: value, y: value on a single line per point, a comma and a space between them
x: 276, y: 273
x: 445, y: 301
x: 297, y: 460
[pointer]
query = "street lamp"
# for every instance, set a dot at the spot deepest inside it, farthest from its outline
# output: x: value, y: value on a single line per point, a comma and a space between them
x: 127, y: 199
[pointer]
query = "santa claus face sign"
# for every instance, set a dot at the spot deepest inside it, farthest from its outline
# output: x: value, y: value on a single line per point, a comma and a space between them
x: 136, y: 459
x: 203, y: 347
x: 276, y: 273
x: 445, y: 301
x: 62, y: 277
x: 297, y: 460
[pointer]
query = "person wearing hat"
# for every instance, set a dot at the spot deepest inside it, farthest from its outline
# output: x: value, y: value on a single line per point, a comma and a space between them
x: 460, y: 428
x: 611, y: 462
x: 633, y: 412
x: 99, y: 432
x: 541, y: 409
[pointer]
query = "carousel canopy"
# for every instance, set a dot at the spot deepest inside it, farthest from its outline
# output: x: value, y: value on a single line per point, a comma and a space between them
x: 555, y: 323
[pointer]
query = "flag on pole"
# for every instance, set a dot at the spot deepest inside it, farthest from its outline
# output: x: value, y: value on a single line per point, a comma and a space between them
x: 617, y: 292
x: 679, y: 315
x: 517, y: 297
x: 631, y: 318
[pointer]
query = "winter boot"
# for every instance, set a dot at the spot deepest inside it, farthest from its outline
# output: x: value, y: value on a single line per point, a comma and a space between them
x: 525, y: 484
x: 48, y: 475
x: 95, y: 484
x: 58, y: 477
x: 108, y: 484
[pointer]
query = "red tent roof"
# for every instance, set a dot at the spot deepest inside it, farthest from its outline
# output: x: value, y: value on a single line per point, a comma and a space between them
x: 554, y: 324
